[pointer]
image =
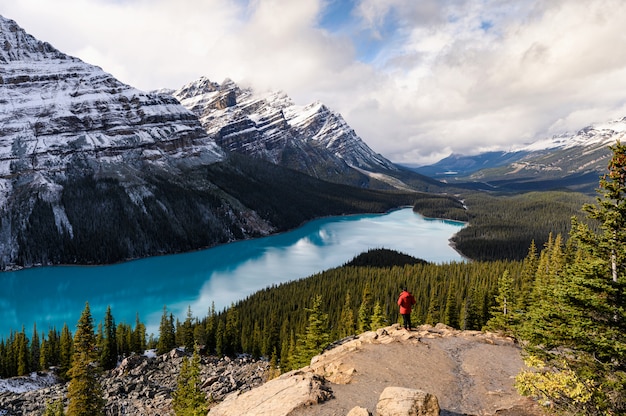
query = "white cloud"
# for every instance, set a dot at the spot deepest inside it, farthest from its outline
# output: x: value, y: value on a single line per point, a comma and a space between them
x: 443, y: 75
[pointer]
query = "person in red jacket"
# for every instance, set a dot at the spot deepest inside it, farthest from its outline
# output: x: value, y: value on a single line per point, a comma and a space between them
x: 406, y: 301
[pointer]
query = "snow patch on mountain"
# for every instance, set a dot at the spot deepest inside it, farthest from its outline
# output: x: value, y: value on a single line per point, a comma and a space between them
x: 597, y: 134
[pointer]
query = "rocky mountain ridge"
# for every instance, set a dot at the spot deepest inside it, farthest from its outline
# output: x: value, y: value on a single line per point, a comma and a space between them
x: 467, y: 372
x: 312, y: 139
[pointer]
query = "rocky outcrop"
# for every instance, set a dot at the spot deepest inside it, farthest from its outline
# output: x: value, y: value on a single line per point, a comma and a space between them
x: 143, y: 385
x: 390, y: 371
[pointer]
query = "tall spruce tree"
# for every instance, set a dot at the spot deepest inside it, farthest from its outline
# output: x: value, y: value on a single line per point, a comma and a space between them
x: 451, y: 313
x: 378, y: 318
x: 108, y: 353
x: 138, y: 336
x: 65, y: 351
x: 84, y: 391
x: 346, y: 325
x: 503, y: 315
x: 167, y: 335
x: 364, y: 313
x: 316, y: 336
x: 35, y: 350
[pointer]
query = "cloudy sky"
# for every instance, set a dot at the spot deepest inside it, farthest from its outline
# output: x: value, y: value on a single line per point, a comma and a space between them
x: 416, y: 79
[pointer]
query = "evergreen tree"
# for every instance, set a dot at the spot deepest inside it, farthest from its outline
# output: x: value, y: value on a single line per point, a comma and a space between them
x: 378, y: 318
x: 188, y: 399
x: 346, y: 321
x: 364, y: 314
x: 138, y: 336
x: 527, y: 280
x: 316, y: 336
x: 219, y: 339
x: 232, y: 331
x: 22, y: 353
x: 54, y: 408
x: 199, y: 334
x: 503, y: 313
x: 35, y: 350
x: 84, y: 391
x: 471, y: 319
x: 211, y: 327
x: 274, y: 369
x: 434, y: 309
x: 123, y: 336
x: 65, y: 351
x: 451, y: 314
x: 187, y: 339
x: 167, y: 337
x: 108, y: 352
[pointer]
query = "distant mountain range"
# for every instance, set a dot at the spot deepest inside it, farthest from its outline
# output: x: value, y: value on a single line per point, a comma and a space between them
x: 574, y: 161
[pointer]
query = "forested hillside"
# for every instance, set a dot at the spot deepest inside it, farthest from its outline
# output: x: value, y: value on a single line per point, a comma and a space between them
x: 503, y: 226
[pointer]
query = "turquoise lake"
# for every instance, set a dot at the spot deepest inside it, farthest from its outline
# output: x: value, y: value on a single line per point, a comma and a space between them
x: 52, y: 296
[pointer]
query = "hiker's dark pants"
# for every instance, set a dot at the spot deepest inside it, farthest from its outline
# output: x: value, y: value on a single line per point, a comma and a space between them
x: 406, y: 317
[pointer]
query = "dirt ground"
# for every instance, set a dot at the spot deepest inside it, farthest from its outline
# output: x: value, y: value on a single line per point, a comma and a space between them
x: 469, y: 376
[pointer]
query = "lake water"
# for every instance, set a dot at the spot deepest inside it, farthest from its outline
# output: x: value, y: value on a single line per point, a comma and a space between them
x: 51, y: 296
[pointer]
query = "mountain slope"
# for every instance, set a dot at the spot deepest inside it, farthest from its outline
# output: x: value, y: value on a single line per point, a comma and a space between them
x: 312, y: 139
x: 95, y: 171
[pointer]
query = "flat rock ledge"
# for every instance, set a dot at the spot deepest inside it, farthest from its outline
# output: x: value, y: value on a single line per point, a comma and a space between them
x: 330, y: 364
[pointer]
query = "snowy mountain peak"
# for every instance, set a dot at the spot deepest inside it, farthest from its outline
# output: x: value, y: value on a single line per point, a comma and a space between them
x: 17, y: 45
x: 62, y: 119
x: 55, y: 108
x: 597, y: 134
x: 310, y: 138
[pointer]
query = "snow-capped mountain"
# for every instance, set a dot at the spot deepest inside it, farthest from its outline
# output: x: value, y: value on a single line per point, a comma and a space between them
x: 573, y: 161
x: 312, y: 139
x: 89, y: 163
x: 55, y: 108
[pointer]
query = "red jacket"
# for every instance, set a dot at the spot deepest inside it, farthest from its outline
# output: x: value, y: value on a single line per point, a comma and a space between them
x: 405, y: 301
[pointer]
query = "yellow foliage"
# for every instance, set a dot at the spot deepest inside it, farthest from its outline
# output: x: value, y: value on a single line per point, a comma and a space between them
x: 552, y: 385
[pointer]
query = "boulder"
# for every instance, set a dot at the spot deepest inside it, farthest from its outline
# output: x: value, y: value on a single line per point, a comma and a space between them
x: 277, y: 397
x: 399, y: 401
x: 359, y: 411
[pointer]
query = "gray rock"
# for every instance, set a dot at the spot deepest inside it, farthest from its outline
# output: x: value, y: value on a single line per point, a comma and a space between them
x: 143, y: 385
